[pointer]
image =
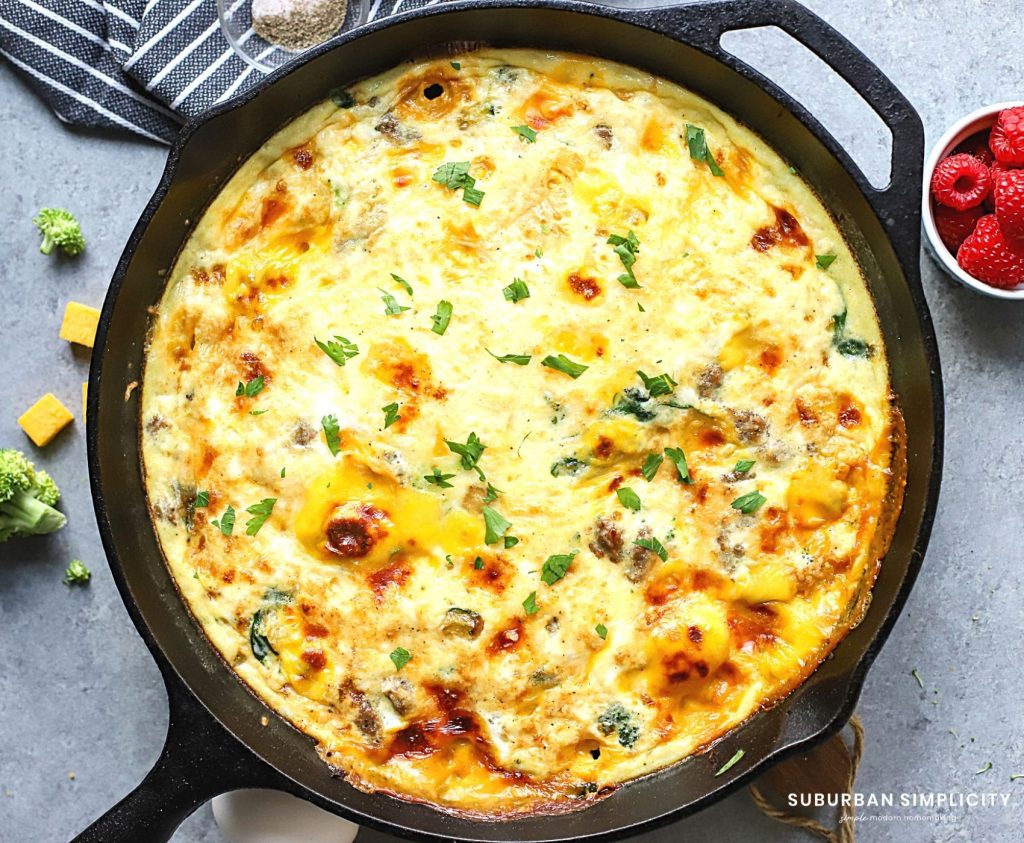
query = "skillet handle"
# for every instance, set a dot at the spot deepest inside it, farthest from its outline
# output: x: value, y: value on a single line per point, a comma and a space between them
x: 200, y: 759
x: 898, y: 204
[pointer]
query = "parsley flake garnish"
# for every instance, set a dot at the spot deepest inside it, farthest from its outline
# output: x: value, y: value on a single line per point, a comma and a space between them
x: 202, y: 499
x: 563, y: 364
x: 455, y: 176
x: 390, y: 413
x: 516, y: 291
x: 743, y: 466
x: 442, y: 317
x: 456, y: 65
x: 405, y: 285
x: 436, y: 478
x: 478, y: 564
x: 470, y: 453
x: 653, y: 545
x: 651, y: 466
x: 525, y: 133
x: 492, y: 493
x: 251, y: 388
x: 332, y: 433
x: 339, y: 349
x: 824, y: 261
x: 391, y: 305
x: 678, y: 459
x: 518, y: 359
x: 530, y: 604
x: 260, y: 512
x: 226, y: 522
x: 626, y: 248
x: 728, y: 765
x: 698, y: 143
x: 628, y: 498
x: 510, y: 541
x: 602, y: 631
x: 556, y: 567
x: 659, y: 385
x: 495, y: 525
x: 400, y: 657
x: 749, y: 503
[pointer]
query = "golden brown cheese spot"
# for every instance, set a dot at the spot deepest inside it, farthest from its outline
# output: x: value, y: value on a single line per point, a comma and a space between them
x: 397, y: 364
x: 302, y: 156
x: 395, y: 574
x: 432, y: 94
x: 547, y: 106
x: 785, y: 231
x: 490, y: 572
x: 850, y: 414
x: 753, y: 628
x: 586, y: 288
x: 507, y: 639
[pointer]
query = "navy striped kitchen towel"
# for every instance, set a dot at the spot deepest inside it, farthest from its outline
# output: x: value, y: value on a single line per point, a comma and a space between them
x: 136, y: 65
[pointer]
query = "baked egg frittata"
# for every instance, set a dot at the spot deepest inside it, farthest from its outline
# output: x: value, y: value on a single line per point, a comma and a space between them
x: 516, y: 425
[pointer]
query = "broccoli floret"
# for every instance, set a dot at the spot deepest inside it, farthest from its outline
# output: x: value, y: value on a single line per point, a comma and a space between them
x: 59, y: 228
x: 617, y: 719
x: 77, y: 573
x: 27, y: 498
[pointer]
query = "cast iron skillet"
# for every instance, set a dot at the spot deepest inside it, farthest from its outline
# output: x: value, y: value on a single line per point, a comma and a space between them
x: 216, y: 742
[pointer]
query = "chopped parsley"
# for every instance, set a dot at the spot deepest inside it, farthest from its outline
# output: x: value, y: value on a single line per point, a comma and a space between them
x: 985, y: 769
x: 226, y: 523
x: 678, y: 459
x: 626, y: 248
x: 456, y: 65
x: 259, y: 412
x: 743, y: 466
x: 390, y: 413
x: 391, y: 305
x: 518, y: 359
x: 653, y: 545
x: 917, y: 678
x: 470, y: 453
x: 530, y: 604
x: 436, y: 478
x: 332, y: 433
x: 495, y: 525
x: 659, y: 385
x: 251, y: 388
x: 77, y: 573
x: 651, y: 466
x: 628, y: 498
x: 202, y: 499
x: 405, y: 285
x: 749, y: 503
x: 824, y: 261
x: 510, y: 541
x: 556, y: 567
x: 339, y: 349
x: 492, y: 493
x: 525, y: 133
x: 478, y: 564
x: 516, y: 291
x: 400, y: 657
x: 728, y: 765
x: 698, y: 143
x: 563, y: 364
x: 455, y: 176
x: 260, y: 512
x: 602, y: 631
x: 442, y: 317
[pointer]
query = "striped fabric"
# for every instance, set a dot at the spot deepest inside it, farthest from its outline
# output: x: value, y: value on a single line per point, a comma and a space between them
x: 135, y: 65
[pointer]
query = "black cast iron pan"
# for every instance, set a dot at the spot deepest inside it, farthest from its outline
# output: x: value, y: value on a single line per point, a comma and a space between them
x: 216, y: 741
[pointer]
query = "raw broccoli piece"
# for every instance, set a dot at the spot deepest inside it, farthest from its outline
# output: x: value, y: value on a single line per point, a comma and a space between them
x: 27, y: 498
x: 77, y: 573
x: 59, y: 228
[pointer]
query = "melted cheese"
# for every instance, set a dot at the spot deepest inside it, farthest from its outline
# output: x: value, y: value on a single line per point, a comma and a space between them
x: 368, y: 607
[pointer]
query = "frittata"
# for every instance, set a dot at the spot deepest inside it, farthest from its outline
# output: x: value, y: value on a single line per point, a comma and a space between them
x: 516, y: 424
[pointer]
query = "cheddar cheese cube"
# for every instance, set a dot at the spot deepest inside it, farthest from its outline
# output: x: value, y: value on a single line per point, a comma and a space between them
x: 45, y: 419
x: 79, y: 324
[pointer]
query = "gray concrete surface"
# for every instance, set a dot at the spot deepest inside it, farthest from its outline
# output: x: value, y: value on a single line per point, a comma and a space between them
x: 82, y: 710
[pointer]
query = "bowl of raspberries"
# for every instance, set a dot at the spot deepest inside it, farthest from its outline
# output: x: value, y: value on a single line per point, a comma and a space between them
x: 973, y: 206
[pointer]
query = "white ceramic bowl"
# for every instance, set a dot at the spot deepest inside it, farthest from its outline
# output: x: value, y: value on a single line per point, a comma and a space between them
x: 976, y: 121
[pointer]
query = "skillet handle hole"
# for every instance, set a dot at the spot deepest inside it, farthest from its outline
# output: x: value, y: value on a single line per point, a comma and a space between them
x: 826, y: 95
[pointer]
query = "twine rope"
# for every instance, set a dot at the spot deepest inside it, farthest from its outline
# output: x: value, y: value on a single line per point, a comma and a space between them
x: 845, y: 833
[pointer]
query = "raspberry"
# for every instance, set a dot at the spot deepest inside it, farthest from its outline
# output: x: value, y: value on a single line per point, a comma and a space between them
x: 961, y: 181
x: 990, y: 257
x: 1009, y: 199
x: 954, y: 226
x: 1007, y: 138
x: 977, y: 145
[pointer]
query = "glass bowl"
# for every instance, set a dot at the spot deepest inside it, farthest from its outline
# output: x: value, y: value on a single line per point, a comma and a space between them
x: 236, y: 24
